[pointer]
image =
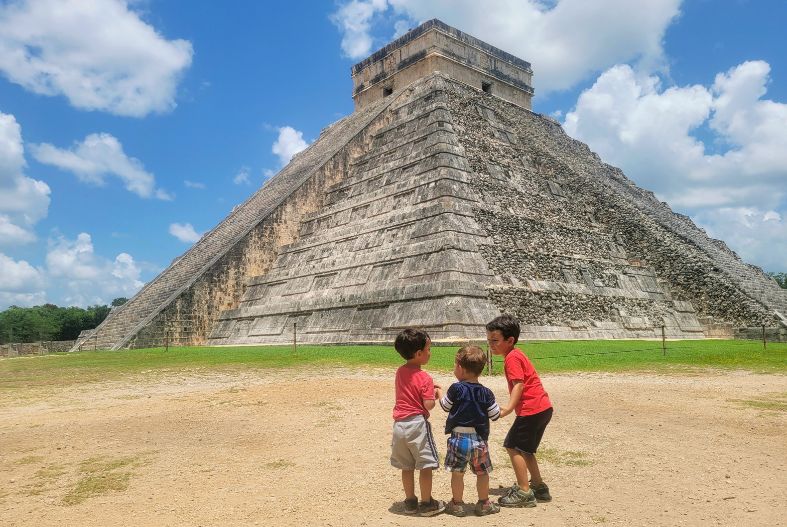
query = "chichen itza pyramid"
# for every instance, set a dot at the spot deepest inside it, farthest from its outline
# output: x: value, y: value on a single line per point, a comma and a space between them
x: 440, y: 202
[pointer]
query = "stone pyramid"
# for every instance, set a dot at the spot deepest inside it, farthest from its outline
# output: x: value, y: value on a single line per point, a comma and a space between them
x: 439, y: 203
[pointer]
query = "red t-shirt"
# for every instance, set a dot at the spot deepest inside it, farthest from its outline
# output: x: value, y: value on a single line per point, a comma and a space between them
x: 413, y: 385
x: 519, y: 368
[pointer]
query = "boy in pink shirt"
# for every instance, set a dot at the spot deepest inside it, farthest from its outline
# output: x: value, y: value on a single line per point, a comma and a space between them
x: 533, y: 413
x: 413, y: 447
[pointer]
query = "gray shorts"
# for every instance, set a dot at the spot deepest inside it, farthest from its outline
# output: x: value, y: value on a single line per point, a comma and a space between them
x: 412, y: 446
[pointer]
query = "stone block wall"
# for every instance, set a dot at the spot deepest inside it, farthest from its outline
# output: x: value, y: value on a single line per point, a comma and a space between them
x: 585, y: 252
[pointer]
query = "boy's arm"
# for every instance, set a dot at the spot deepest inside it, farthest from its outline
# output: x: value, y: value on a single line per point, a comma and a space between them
x: 428, y: 392
x: 445, y: 400
x: 493, y: 410
x: 513, y: 400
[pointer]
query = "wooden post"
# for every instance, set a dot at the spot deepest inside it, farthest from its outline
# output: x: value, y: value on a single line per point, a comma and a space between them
x: 663, y: 342
x: 764, y: 340
x: 295, y: 337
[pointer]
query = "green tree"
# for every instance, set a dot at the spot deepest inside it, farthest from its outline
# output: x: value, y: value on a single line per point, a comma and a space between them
x: 48, y: 322
x: 781, y: 279
x: 119, y: 301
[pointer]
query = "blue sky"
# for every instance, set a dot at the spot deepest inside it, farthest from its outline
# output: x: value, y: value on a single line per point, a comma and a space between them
x: 127, y: 129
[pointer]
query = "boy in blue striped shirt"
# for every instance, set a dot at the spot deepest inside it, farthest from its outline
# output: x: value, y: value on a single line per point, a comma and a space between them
x: 470, y: 406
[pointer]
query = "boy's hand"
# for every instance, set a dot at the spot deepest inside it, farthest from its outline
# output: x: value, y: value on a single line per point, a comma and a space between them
x: 505, y: 411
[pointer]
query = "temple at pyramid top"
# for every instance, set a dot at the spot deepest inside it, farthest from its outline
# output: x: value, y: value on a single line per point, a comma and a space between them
x: 436, y: 46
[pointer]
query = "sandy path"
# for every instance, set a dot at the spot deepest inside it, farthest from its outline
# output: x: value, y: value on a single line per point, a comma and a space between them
x: 273, y: 448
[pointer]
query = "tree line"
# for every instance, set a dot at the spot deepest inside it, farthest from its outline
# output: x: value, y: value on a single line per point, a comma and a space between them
x: 781, y: 279
x: 50, y: 322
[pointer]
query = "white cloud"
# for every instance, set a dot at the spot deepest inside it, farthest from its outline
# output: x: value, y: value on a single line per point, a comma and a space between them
x: 184, y: 232
x: 98, y: 156
x: 653, y: 133
x: 18, y: 276
x: 242, y: 177
x: 194, y: 184
x: 757, y: 236
x: 23, y: 201
x: 289, y: 143
x: 21, y: 284
x: 566, y: 41
x: 99, y: 54
x: 86, y: 278
x: 12, y: 234
x: 21, y: 299
x: 354, y: 20
x: 73, y: 259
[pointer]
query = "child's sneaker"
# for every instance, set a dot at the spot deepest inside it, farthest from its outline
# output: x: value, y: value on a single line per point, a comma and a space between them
x: 410, y: 505
x: 541, y: 491
x: 516, y: 497
x: 485, y: 508
x: 432, y: 507
x: 455, y: 509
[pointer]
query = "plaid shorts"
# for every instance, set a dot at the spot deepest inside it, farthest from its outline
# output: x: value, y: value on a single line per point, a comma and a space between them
x: 464, y: 448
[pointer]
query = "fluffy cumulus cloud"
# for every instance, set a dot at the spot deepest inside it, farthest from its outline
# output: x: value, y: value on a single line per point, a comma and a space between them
x: 99, y: 54
x: 21, y: 284
x: 565, y: 40
x: 737, y: 190
x: 354, y: 20
x: 87, y: 278
x: 23, y: 201
x: 289, y: 143
x: 184, y: 232
x: 99, y: 156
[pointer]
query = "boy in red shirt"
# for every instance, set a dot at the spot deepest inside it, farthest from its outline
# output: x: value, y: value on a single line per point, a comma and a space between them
x: 533, y: 412
x: 413, y: 447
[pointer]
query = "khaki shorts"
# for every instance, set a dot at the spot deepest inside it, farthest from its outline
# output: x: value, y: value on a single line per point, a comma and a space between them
x: 412, y: 446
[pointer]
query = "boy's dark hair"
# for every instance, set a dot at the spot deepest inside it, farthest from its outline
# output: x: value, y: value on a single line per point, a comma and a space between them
x: 472, y: 359
x: 410, y: 340
x: 507, y: 325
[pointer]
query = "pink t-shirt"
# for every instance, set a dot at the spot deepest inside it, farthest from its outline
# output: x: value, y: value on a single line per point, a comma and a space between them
x: 519, y: 368
x: 413, y: 385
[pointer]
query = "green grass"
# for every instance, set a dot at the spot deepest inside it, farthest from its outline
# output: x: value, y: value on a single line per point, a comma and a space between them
x: 102, y: 475
x: 554, y: 356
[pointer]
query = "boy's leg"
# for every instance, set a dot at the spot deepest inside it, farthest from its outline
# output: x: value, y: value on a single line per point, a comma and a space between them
x: 532, y: 466
x: 519, y: 464
x: 482, y: 485
x: 457, y: 486
x: 425, y: 482
x: 408, y: 482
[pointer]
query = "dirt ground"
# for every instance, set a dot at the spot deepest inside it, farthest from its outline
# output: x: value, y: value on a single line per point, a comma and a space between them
x: 311, y: 448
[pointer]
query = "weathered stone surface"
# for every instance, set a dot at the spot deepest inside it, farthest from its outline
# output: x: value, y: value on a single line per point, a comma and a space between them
x: 440, y: 206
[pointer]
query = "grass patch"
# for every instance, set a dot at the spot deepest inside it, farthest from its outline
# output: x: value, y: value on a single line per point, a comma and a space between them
x: 96, y: 485
x: 29, y: 460
x: 45, y: 479
x: 569, y: 458
x: 279, y: 463
x: 774, y: 403
x: 102, y: 475
x: 63, y: 369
